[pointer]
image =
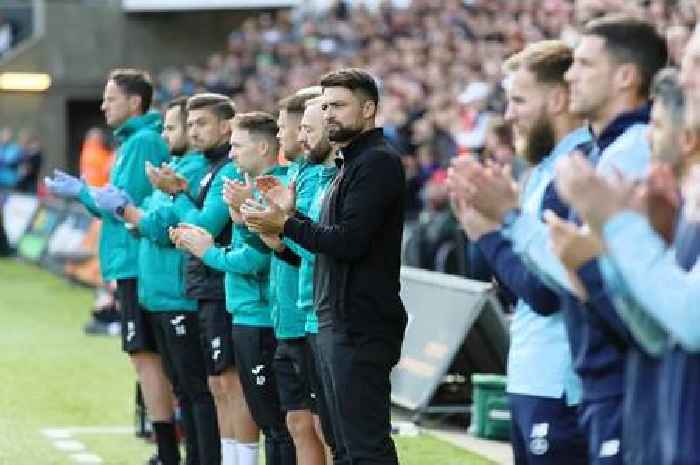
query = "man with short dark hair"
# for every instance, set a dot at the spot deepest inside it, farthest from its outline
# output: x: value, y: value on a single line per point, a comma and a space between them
x: 126, y: 101
x: 356, y: 277
x: 209, y: 128
x: 608, y: 80
x: 246, y: 262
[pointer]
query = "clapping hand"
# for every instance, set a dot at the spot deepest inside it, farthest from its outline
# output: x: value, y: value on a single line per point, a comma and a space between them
x: 64, y: 185
x: 166, y: 179
x: 236, y: 192
x: 268, y: 220
x: 274, y: 191
x: 594, y: 197
x: 192, y: 238
x: 272, y: 241
x: 475, y: 224
x: 574, y: 245
x: 489, y: 189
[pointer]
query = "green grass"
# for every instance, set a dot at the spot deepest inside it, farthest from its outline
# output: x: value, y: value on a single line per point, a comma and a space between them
x: 54, y: 376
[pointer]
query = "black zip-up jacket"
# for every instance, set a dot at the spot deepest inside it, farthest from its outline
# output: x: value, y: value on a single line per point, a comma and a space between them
x: 202, y: 282
x: 358, y: 242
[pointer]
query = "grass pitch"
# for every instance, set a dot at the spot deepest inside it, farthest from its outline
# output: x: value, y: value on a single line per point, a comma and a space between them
x: 53, y: 376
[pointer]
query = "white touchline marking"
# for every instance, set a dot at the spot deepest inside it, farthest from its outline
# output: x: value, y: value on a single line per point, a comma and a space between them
x: 70, y: 445
x: 101, y: 430
x: 63, y: 439
x: 56, y: 433
x: 86, y: 458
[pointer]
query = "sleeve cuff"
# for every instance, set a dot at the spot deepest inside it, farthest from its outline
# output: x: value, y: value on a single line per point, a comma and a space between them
x: 489, y: 243
x: 517, y: 226
x: 181, y: 205
x: 591, y: 278
x: 618, y: 225
x: 291, y: 226
x: 142, y: 225
x: 212, y: 257
x: 288, y: 256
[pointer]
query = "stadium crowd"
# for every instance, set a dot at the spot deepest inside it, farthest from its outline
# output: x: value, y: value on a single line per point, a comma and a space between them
x: 285, y: 317
x: 439, y: 65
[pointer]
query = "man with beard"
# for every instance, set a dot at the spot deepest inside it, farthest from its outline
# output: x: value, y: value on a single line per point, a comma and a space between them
x: 296, y: 366
x: 542, y: 388
x: 609, y: 82
x: 290, y: 363
x: 209, y: 128
x: 314, y: 138
x: 356, y: 276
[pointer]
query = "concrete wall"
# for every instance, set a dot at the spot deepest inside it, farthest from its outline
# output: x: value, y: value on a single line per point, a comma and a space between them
x: 84, y: 40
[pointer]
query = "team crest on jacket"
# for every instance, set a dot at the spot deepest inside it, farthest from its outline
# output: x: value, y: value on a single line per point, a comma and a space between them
x: 538, y: 439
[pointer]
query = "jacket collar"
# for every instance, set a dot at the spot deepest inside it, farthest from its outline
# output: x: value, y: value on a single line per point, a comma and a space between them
x: 568, y: 143
x: 359, y: 144
x: 217, y: 153
x: 620, y: 124
x: 150, y: 120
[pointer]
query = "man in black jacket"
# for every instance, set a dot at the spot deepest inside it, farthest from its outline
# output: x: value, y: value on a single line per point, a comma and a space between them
x: 356, y: 277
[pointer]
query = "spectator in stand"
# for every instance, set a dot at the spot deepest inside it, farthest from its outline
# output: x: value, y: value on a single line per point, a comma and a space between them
x: 10, y: 158
x: 475, y: 117
x: 96, y: 158
x: 426, y: 53
x: 30, y: 163
x: 437, y: 226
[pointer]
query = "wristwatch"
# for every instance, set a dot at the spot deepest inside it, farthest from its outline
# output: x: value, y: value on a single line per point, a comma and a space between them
x: 120, y: 210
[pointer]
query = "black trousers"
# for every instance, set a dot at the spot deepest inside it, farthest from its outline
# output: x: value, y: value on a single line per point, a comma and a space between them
x: 359, y: 376
x: 177, y: 335
x: 325, y: 396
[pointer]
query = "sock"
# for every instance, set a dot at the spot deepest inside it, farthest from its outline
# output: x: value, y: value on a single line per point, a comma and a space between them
x: 229, y: 451
x: 166, y: 440
x: 191, y: 443
x: 247, y: 453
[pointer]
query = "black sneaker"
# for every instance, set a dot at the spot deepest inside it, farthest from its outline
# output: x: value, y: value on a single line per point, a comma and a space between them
x: 106, y: 315
x: 95, y: 327
x: 154, y: 460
